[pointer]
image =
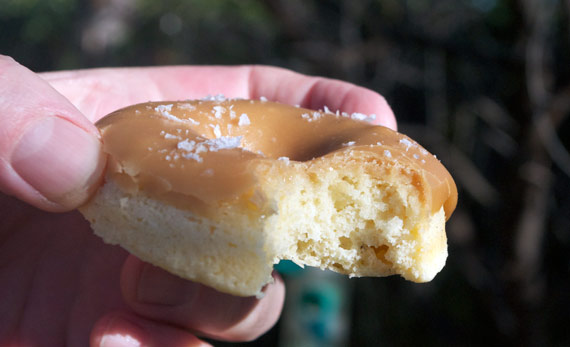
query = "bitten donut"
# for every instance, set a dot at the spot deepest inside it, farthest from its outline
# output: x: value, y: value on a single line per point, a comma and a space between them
x: 219, y: 190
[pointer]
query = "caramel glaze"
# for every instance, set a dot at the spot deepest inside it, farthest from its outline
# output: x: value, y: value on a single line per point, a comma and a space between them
x: 187, y: 151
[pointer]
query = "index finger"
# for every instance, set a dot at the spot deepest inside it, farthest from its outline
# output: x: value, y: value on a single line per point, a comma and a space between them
x: 100, y: 91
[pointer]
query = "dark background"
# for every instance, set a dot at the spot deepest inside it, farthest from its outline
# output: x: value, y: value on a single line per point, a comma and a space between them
x: 483, y: 84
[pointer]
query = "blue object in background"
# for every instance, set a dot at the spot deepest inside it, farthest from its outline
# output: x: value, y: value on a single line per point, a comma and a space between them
x: 317, y: 307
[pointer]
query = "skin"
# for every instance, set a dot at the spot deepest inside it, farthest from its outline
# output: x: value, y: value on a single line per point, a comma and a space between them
x: 61, y: 285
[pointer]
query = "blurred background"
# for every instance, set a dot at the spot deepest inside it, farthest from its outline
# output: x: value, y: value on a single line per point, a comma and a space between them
x: 483, y: 84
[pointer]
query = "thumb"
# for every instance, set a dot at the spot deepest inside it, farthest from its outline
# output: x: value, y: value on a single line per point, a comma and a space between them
x: 50, y: 154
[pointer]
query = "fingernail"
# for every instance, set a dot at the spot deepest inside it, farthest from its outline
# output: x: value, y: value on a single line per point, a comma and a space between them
x: 119, y: 340
x: 119, y: 331
x: 158, y: 287
x: 60, y: 160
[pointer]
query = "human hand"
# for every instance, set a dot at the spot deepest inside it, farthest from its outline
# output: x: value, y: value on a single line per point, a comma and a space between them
x: 60, y: 284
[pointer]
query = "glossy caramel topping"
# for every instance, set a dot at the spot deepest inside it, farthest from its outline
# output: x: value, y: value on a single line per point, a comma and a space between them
x: 204, y: 148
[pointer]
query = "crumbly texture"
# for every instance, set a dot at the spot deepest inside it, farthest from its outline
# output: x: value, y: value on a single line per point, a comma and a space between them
x: 350, y: 212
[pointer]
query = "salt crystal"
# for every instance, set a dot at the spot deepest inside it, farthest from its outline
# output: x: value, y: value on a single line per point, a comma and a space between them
x: 201, y: 147
x: 406, y: 143
x: 363, y: 117
x: 164, y: 110
x: 313, y: 117
x: 170, y: 136
x: 217, y: 131
x: 387, y: 153
x: 263, y: 98
x: 194, y: 156
x: 192, y: 148
x: 207, y: 172
x: 284, y: 159
x: 186, y: 145
x: 218, y: 111
x: 194, y: 122
x: 244, y: 120
x: 218, y: 97
x: 224, y: 142
x: 186, y: 106
x: 349, y: 143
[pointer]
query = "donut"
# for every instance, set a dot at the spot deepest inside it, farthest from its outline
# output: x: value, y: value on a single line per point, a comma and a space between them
x: 219, y: 190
